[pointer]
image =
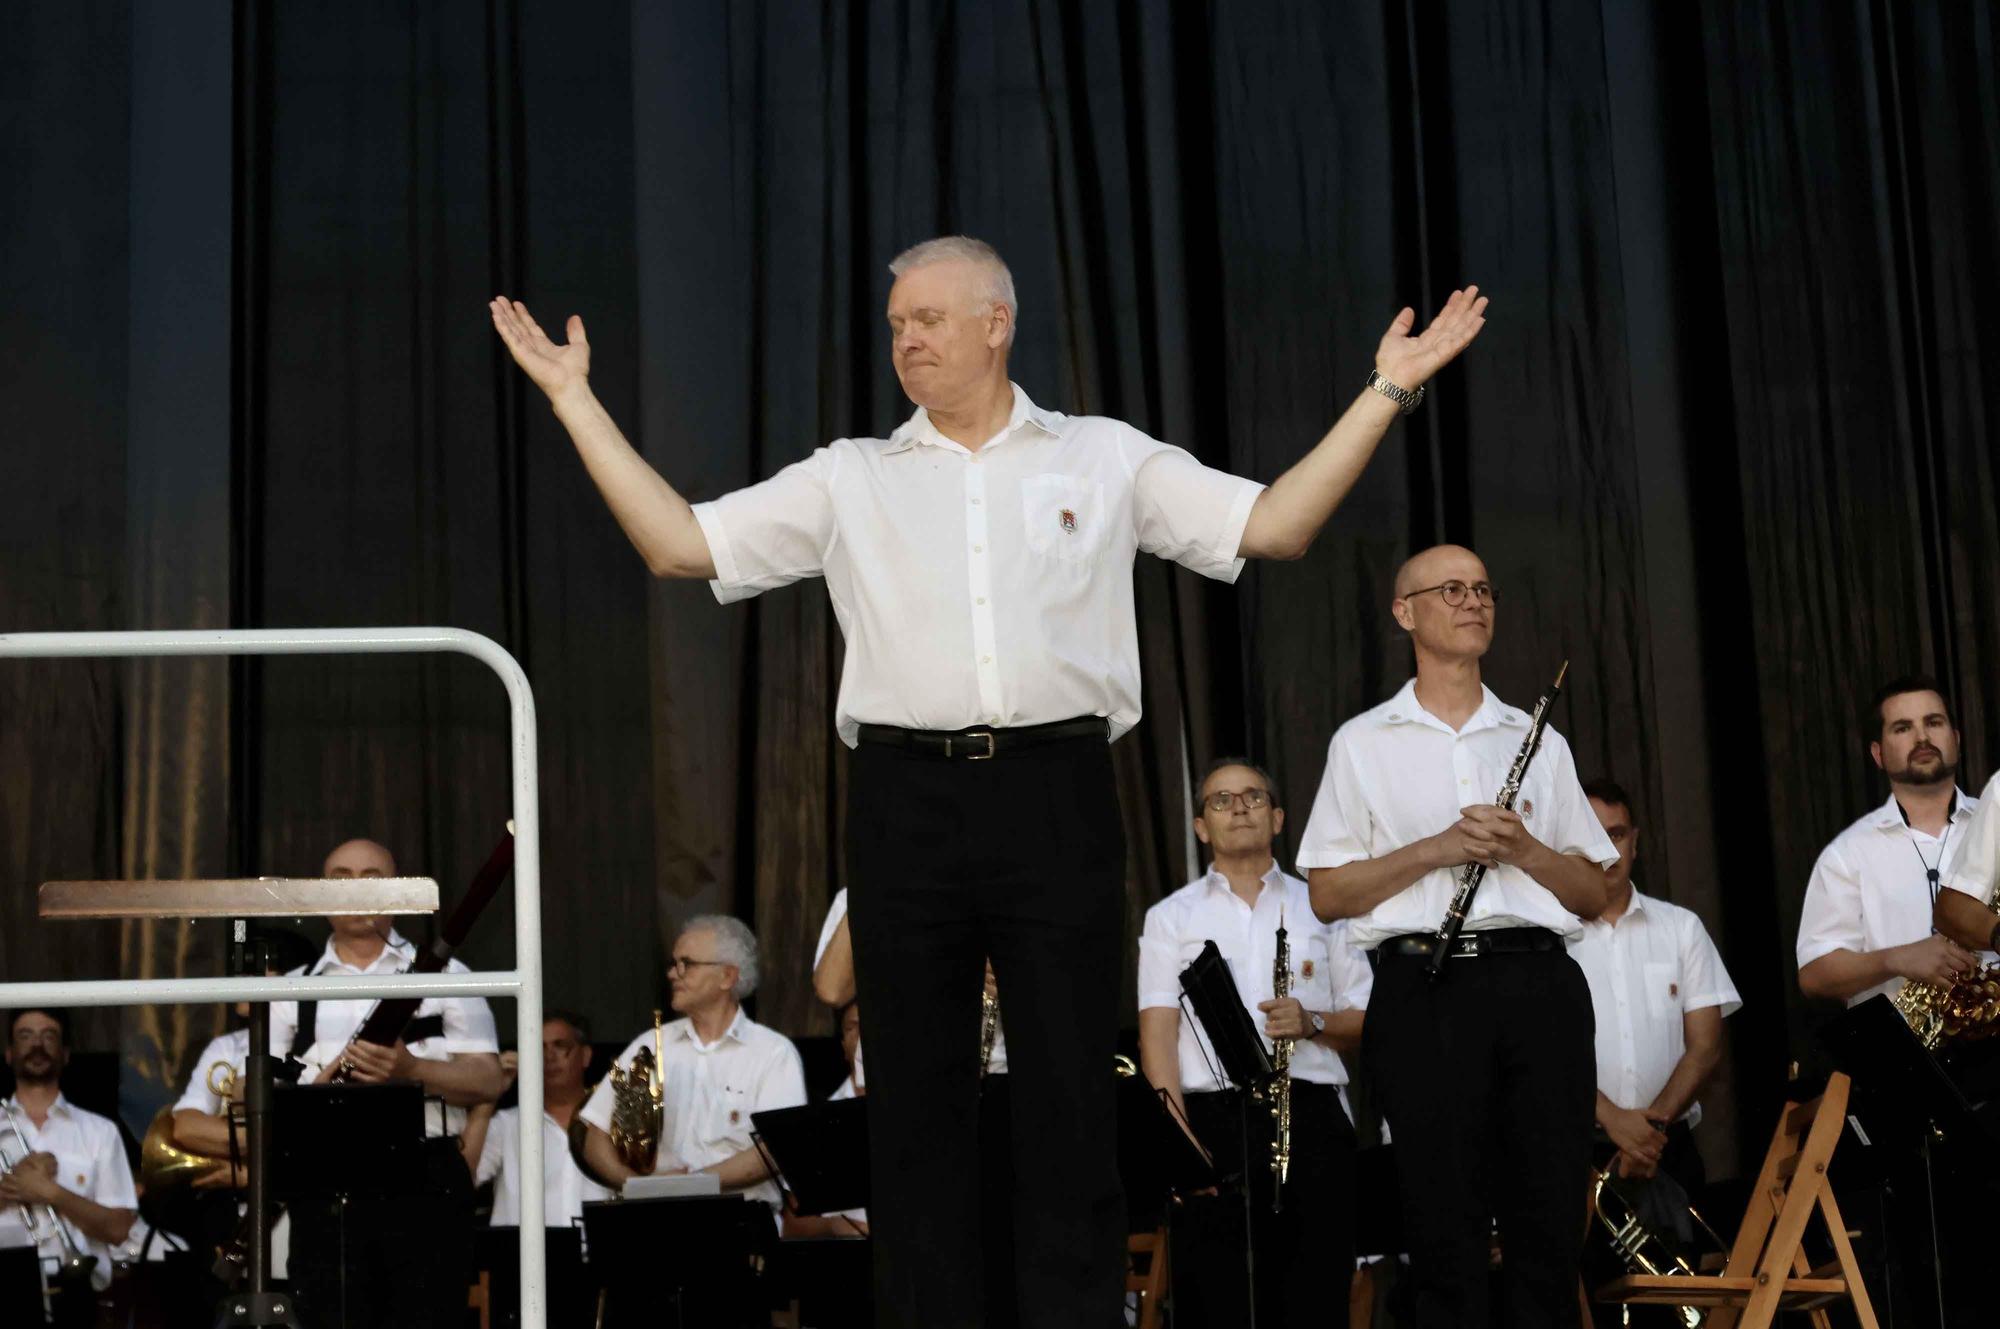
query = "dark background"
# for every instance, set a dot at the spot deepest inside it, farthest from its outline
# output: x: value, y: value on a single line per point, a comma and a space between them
x: 1726, y: 442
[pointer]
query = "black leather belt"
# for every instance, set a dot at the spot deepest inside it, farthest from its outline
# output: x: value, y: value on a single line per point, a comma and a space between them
x: 1472, y: 945
x: 978, y: 744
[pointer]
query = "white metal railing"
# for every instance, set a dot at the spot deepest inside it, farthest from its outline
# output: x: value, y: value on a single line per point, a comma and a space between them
x: 523, y: 982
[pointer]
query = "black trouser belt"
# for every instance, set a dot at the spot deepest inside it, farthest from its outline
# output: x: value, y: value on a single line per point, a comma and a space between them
x: 1471, y: 945
x: 980, y: 743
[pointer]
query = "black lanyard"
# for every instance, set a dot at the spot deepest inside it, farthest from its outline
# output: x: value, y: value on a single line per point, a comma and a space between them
x: 1944, y: 843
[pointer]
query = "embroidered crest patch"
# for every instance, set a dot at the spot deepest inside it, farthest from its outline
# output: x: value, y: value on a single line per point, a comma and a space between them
x: 1306, y: 969
x: 1527, y: 807
x: 1673, y: 989
x: 1069, y: 521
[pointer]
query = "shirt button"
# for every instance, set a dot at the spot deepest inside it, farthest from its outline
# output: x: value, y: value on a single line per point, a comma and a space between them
x: 980, y: 601
x: 975, y: 502
x: 986, y: 659
x: 979, y: 549
x: 996, y: 719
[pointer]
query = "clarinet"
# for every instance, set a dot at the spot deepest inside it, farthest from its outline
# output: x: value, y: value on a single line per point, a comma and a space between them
x: 1281, y: 1074
x: 1472, y: 874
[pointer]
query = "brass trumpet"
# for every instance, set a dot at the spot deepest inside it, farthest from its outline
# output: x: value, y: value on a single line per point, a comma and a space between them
x: 1643, y: 1250
x: 42, y: 1219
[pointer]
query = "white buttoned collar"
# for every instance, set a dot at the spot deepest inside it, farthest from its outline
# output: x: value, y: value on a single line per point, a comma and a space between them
x: 1404, y: 708
x: 683, y: 1028
x: 1273, y: 876
x: 60, y: 1108
x: 396, y: 951
x: 1637, y: 905
x: 919, y: 429
x: 1889, y: 817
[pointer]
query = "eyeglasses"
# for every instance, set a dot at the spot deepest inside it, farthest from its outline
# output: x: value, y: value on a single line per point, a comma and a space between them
x: 681, y: 964
x: 1453, y: 592
x: 1224, y: 799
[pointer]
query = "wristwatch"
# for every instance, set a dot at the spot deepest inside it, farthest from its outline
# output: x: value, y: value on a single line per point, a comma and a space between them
x: 1319, y: 1025
x: 1403, y: 397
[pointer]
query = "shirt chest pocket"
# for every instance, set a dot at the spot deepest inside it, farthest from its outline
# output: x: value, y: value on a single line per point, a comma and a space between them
x: 1064, y: 516
x: 728, y: 1115
x: 1664, y: 997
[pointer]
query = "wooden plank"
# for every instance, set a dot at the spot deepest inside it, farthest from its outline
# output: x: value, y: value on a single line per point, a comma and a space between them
x: 240, y: 897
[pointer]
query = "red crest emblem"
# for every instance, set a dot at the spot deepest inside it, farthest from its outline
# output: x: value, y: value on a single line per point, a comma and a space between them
x: 1306, y: 969
x: 1069, y: 521
x: 1527, y: 807
x: 734, y: 1116
x: 1673, y: 989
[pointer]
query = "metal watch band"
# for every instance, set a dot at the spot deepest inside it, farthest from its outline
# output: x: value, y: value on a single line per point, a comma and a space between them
x: 1404, y: 398
x: 1318, y: 1024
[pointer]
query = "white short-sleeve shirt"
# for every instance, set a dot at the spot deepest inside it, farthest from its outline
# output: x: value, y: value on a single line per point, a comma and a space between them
x: 711, y: 1089
x: 1977, y: 869
x: 982, y: 588
x: 90, y: 1161
x: 232, y: 1050
x: 1397, y: 774
x: 1328, y: 973
x: 468, y: 1022
x: 1870, y: 889
x: 1647, y: 970
x: 565, y: 1188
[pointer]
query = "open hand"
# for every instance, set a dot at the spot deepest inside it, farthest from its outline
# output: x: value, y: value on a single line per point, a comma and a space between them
x: 554, y: 369
x: 1409, y: 361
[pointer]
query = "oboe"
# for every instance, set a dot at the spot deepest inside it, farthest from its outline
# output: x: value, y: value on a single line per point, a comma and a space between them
x: 1472, y: 874
x: 1281, y: 1073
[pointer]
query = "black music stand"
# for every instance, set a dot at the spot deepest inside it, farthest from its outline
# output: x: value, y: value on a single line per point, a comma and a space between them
x: 383, y: 1123
x: 497, y: 1250
x: 819, y: 1151
x: 1208, y: 989
x: 1156, y: 1158
x: 688, y: 1261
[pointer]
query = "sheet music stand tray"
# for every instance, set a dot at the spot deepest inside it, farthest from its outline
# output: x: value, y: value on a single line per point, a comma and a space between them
x: 239, y: 900
x: 692, y: 1248
x: 819, y: 1151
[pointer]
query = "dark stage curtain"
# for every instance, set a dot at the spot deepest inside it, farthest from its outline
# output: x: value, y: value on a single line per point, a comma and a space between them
x: 1726, y: 444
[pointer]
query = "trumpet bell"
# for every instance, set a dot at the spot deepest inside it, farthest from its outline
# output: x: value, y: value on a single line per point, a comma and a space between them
x: 164, y: 1164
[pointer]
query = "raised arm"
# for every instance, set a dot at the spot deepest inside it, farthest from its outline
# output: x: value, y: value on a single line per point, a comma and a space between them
x: 1288, y: 516
x: 1965, y: 920
x: 658, y: 521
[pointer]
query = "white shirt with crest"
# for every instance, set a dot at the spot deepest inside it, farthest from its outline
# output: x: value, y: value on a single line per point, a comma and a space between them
x: 90, y: 1161
x: 710, y: 1091
x: 1871, y: 890
x: 982, y: 588
x: 1397, y: 774
x: 1646, y: 971
x: 1328, y: 973
x: 468, y: 1022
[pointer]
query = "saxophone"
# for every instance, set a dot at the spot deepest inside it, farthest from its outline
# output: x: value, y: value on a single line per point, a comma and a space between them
x: 638, y: 1108
x: 1961, y: 1010
x: 1280, y: 1088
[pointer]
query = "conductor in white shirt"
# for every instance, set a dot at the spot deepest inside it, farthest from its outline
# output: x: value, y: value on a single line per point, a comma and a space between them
x: 979, y: 562
x: 1485, y: 1074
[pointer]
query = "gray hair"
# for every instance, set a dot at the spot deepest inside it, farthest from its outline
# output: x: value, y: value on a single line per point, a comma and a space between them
x: 947, y: 248
x: 735, y: 944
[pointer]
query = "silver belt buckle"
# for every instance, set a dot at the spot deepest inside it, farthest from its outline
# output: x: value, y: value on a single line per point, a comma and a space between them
x: 987, y: 755
x: 1470, y: 946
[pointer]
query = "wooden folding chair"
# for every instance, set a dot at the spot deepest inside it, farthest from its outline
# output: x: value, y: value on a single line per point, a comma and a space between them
x: 1767, y: 1270
x: 1146, y: 1273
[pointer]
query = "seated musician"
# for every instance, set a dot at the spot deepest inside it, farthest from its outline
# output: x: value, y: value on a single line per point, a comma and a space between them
x: 1304, y: 1254
x: 489, y: 1145
x: 409, y: 1257
x: 1964, y: 911
x: 56, y: 1156
x: 1660, y: 993
x: 718, y: 1067
x: 1865, y: 926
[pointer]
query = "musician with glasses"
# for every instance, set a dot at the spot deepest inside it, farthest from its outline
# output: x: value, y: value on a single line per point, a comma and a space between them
x: 1300, y: 1251
x: 490, y: 1145
x: 1486, y: 1074
x: 717, y: 1067
x: 1660, y: 993
x: 64, y: 1159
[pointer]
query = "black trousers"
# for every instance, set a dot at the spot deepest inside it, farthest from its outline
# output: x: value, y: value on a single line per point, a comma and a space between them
x: 1304, y: 1255
x: 1488, y: 1080
x: 1020, y: 858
